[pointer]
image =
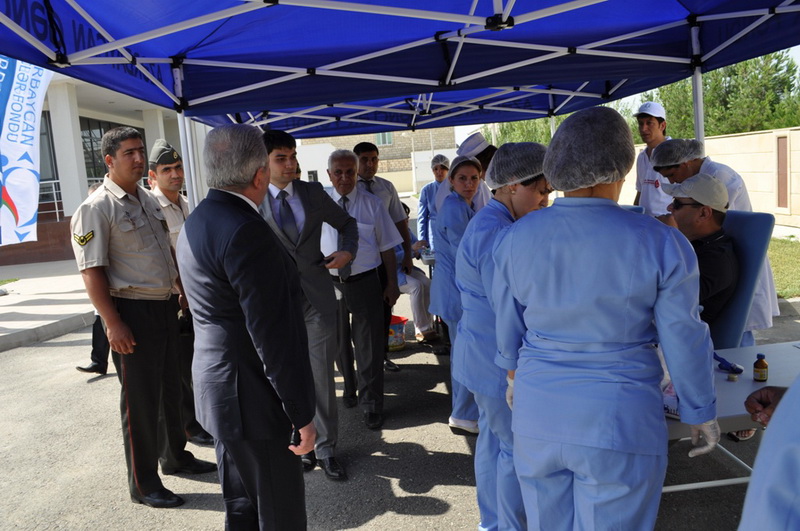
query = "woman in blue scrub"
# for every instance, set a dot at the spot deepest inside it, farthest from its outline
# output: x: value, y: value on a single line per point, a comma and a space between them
x: 515, y: 175
x: 583, y: 291
x: 426, y: 211
x: 451, y: 222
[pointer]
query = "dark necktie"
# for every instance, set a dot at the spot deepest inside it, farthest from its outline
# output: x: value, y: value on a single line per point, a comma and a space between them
x: 344, y: 271
x: 368, y: 183
x: 288, y: 223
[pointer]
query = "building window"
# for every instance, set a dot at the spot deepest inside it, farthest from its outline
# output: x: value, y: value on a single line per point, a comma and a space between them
x: 92, y: 132
x: 47, y: 158
x: 383, y: 139
x: 312, y: 176
x: 783, y: 172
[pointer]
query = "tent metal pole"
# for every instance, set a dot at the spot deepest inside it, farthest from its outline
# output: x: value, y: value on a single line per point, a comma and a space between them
x: 617, y: 86
x: 166, y: 30
x: 125, y: 53
x: 246, y: 66
x: 448, y: 115
x: 697, y: 88
x: 447, y: 107
x: 507, y: 9
x: 511, y: 109
x: 634, y: 34
x: 27, y: 37
x: 381, y: 10
x: 513, y: 66
x: 562, y: 92
x: 552, y: 126
x: 310, y: 126
x: 188, y: 156
x: 783, y: 8
x: 378, y: 77
x: 247, y: 88
x: 278, y: 116
x: 571, y: 96
x: 555, y: 10
x: 460, y: 46
x: 739, y: 35
x: 379, y: 53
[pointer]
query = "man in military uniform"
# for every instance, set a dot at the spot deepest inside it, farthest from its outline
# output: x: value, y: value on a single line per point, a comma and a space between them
x: 166, y: 180
x: 121, y: 244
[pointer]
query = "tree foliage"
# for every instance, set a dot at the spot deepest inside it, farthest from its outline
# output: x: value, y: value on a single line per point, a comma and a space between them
x: 762, y: 93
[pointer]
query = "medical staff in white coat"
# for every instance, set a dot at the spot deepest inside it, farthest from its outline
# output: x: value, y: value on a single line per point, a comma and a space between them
x: 451, y: 222
x: 515, y: 175
x: 583, y: 290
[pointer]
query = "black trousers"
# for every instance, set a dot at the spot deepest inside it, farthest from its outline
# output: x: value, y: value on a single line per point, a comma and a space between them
x: 262, y: 484
x: 185, y: 356
x: 100, y: 346
x: 362, y: 299
x: 150, y: 397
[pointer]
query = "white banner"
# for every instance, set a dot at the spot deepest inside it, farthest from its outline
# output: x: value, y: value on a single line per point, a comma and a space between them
x: 22, y: 90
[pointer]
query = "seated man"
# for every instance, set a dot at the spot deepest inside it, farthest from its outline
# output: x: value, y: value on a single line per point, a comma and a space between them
x: 418, y: 287
x: 698, y: 211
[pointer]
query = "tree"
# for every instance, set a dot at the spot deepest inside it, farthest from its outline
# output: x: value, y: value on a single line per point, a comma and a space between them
x: 762, y: 93
x: 538, y: 130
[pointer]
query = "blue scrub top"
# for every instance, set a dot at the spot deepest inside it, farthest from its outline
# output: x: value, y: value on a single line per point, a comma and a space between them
x: 476, y: 342
x: 773, y: 497
x: 583, y: 292
x: 426, y: 212
x: 451, y: 222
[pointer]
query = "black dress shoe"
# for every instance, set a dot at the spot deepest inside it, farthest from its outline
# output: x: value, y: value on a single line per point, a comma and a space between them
x: 349, y: 401
x: 309, y: 461
x: 333, y: 470
x: 93, y: 367
x: 389, y: 365
x: 195, y: 466
x: 373, y: 420
x: 201, y: 439
x: 160, y: 499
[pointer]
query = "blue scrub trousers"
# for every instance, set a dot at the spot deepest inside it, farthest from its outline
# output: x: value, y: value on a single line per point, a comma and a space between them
x: 499, y: 496
x: 568, y: 486
x: 464, y: 406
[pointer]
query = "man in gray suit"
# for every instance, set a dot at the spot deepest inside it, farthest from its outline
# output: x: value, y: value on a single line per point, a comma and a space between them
x: 252, y: 380
x: 295, y: 210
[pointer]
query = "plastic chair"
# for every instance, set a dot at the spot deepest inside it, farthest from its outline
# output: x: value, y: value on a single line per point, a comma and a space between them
x: 751, y: 232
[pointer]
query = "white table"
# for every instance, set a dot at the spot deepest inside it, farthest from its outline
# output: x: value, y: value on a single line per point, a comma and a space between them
x: 784, y: 366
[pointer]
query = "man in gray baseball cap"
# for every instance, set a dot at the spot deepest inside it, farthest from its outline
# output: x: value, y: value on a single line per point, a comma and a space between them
x: 699, y: 208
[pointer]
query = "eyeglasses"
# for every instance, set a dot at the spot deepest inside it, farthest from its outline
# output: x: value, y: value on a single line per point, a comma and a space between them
x: 677, y: 205
x: 659, y: 169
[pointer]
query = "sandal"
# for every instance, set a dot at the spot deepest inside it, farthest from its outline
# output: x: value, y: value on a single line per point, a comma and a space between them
x: 741, y: 435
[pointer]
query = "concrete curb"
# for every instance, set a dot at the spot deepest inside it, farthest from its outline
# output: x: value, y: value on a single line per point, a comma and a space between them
x: 24, y: 338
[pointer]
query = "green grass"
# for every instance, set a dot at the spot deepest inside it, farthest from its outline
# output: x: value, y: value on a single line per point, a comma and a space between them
x: 784, y: 255
x: 6, y: 281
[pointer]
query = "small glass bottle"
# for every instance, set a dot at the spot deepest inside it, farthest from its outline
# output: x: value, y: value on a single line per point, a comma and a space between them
x: 760, y: 369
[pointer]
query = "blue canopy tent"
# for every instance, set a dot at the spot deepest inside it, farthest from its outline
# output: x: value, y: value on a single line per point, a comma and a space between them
x: 326, y: 67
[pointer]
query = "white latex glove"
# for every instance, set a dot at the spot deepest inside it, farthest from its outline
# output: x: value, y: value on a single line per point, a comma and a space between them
x: 510, y: 392
x: 710, y: 432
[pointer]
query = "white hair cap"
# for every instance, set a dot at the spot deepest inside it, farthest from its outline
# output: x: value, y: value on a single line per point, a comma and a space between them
x: 703, y: 188
x: 592, y: 146
x: 440, y: 160
x: 473, y: 145
x: 514, y: 163
x: 677, y: 151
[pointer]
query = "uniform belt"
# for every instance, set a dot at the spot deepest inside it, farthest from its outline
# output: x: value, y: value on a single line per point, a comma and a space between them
x: 353, y: 278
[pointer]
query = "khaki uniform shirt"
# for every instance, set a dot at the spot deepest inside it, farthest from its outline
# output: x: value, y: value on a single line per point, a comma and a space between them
x: 174, y: 214
x: 127, y: 236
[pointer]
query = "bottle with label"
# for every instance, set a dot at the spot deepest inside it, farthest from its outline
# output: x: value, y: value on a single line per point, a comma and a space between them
x: 760, y: 368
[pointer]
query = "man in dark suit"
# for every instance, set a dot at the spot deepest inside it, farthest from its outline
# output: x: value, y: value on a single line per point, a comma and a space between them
x: 296, y: 211
x: 252, y: 377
